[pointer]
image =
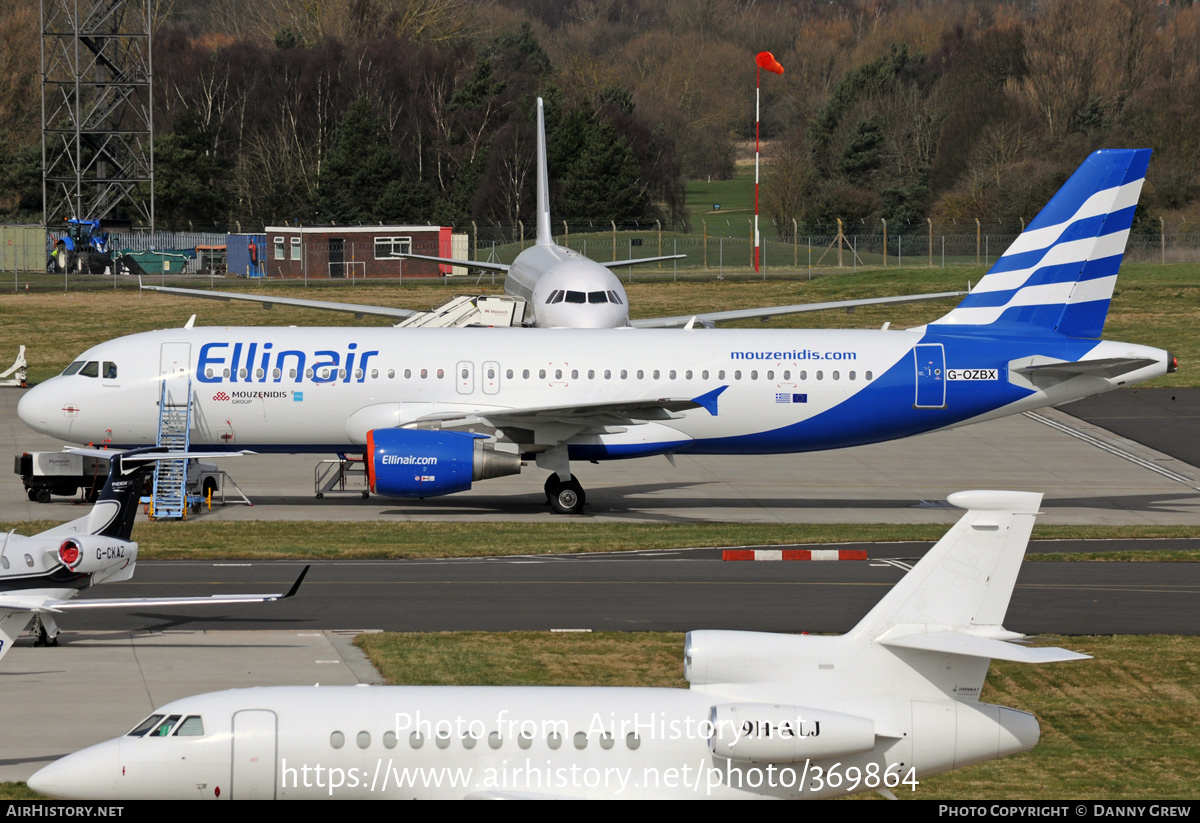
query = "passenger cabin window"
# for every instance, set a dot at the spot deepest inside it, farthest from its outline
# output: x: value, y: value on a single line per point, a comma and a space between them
x: 92, y: 369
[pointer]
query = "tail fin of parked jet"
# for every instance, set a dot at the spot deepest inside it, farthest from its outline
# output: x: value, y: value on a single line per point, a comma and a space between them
x: 954, y: 600
x: 1059, y: 274
x: 544, y: 237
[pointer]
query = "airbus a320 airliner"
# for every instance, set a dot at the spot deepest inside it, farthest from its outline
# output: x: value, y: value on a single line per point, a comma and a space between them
x: 434, y: 410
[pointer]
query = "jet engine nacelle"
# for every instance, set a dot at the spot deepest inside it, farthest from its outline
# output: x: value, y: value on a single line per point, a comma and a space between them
x: 776, y: 733
x: 88, y: 554
x: 428, y: 463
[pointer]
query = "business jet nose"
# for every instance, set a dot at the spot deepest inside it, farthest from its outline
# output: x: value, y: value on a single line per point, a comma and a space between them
x: 89, y: 774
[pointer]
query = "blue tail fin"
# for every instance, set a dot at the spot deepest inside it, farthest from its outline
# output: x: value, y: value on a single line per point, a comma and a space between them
x: 1060, y: 273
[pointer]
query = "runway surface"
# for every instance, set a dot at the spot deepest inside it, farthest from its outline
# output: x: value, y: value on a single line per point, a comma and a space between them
x: 635, y: 591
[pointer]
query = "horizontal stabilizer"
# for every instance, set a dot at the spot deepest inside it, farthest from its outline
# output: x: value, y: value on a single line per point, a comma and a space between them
x: 972, y: 645
x: 1109, y: 367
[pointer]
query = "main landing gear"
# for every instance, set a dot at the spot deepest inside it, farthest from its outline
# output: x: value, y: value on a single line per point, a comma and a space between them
x: 565, y: 496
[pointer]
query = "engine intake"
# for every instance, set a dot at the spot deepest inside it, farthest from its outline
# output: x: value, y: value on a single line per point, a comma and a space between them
x: 775, y: 733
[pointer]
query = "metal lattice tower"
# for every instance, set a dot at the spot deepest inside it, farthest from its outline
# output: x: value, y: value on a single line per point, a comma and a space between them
x: 97, y: 121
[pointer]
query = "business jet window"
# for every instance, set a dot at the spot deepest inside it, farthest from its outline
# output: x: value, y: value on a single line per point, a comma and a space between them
x: 576, y: 297
x: 416, y: 740
x: 632, y: 741
x: 389, y: 740
x: 494, y: 740
x: 92, y: 369
x: 110, y: 370
x: 192, y: 726
x: 581, y: 740
x: 554, y: 740
x: 606, y: 740
x: 145, y: 726
x: 524, y: 740
x: 337, y: 740
x: 469, y: 740
x: 363, y: 740
x: 73, y: 368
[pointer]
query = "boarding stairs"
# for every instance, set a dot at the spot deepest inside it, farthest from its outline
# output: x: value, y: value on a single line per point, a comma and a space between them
x: 470, y: 310
x: 174, y: 427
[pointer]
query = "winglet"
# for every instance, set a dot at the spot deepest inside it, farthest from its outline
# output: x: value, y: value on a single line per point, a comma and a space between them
x: 543, y: 182
x: 296, y: 586
x: 708, y: 400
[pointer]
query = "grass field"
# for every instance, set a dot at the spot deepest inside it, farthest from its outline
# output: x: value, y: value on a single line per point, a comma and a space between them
x: 1125, y: 725
x: 375, y: 540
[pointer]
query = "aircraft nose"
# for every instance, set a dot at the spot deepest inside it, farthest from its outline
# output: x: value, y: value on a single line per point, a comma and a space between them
x: 89, y: 774
x: 32, y: 409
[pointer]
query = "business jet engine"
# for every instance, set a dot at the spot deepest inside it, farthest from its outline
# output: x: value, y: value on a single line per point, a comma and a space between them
x: 428, y: 463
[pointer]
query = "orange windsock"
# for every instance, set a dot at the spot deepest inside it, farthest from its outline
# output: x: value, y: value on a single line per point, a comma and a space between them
x: 767, y: 61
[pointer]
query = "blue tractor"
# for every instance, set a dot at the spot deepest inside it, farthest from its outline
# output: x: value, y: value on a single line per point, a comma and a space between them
x: 83, y: 249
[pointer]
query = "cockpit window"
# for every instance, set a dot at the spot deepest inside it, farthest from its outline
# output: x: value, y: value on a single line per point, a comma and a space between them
x: 192, y: 726
x: 110, y: 370
x: 74, y: 367
x: 613, y: 297
x: 576, y: 297
x: 554, y: 297
x: 164, y: 728
x: 145, y: 726
x: 597, y: 297
x: 92, y: 369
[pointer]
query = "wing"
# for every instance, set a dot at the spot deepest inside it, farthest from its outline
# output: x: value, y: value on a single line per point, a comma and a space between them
x: 616, y: 264
x: 449, y: 261
x: 17, y: 610
x: 771, y: 311
x: 628, y: 412
x: 357, y: 309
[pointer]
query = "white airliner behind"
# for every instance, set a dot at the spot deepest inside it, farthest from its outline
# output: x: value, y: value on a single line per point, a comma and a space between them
x: 434, y: 410
x: 561, y: 288
x: 884, y: 707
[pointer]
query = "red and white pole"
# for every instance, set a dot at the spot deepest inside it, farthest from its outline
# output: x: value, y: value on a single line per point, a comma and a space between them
x: 764, y: 60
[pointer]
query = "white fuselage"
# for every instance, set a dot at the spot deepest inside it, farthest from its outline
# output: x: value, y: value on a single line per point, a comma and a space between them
x: 320, y: 390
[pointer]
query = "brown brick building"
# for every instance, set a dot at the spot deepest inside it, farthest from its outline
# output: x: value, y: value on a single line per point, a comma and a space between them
x: 317, y: 252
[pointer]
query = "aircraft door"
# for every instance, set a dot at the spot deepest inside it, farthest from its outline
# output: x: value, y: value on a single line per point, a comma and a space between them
x: 174, y: 363
x: 930, y: 361
x: 465, y: 373
x: 254, y: 755
x: 491, y: 377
